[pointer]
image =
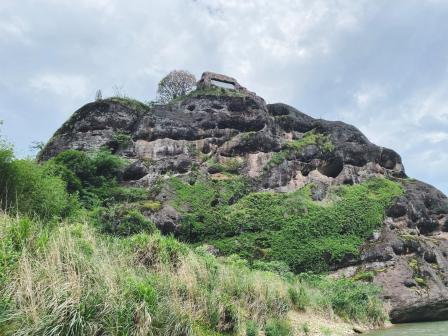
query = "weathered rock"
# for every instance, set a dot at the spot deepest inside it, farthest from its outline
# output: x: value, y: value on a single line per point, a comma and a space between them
x: 408, y: 256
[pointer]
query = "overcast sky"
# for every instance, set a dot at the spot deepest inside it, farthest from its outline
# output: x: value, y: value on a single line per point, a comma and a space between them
x: 380, y: 65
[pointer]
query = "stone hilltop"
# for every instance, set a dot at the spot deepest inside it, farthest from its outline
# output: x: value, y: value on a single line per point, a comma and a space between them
x: 236, y: 128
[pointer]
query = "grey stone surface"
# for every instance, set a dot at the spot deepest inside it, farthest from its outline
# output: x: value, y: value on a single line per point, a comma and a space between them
x: 408, y: 256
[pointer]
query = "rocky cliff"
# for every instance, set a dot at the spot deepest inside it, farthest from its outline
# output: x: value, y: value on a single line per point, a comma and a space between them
x: 216, y: 133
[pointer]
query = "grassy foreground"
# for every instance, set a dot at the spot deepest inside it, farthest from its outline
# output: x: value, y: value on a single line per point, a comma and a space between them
x: 77, y: 256
x: 65, y: 278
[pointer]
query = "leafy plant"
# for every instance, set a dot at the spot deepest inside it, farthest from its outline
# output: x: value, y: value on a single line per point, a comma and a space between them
x: 94, y: 176
x: 121, y: 140
x: 289, y: 227
x: 277, y: 328
x: 122, y: 220
x: 293, y: 148
x: 252, y: 328
x: 29, y: 188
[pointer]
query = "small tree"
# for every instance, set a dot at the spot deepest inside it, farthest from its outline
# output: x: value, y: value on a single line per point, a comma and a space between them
x: 176, y: 84
x: 98, y: 95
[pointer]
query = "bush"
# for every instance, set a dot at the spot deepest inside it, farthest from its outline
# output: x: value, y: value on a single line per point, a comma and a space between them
x: 277, y: 328
x: 121, y: 140
x: 293, y: 148
x: 122, y: 220
x: 158, y: 250
x: 15, y: 234
x: 354, y: 301
x: 299, y: 297
x: 364, y: 276
x: 286, y: 227
x: 93, y: 176
x: 251, y: 328
x: 32, y: 189
x: 72, y: 280
x: 274, y: 266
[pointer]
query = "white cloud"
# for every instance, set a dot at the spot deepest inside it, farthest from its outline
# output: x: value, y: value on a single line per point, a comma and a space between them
x: 70, y: 86
x: 13, y: 28
x: 365, y: 62
x: 368, y: 96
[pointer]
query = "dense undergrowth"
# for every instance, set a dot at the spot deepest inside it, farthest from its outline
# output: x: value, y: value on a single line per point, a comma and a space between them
x: 77, y: 257
x: 68, y: 279
x: 287, y: 227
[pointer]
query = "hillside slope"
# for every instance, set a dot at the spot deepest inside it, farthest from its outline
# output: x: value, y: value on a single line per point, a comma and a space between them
x: 270, y: 183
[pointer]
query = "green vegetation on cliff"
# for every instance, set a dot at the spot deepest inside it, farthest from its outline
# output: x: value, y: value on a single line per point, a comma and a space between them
x: 288, y: 227
x: 78, y: 258
x: 293, y: 148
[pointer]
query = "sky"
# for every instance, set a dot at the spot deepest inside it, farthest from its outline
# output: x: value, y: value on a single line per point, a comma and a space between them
x: 380, y: 65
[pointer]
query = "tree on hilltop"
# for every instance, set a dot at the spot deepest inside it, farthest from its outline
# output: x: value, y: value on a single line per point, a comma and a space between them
x: 176, y: 84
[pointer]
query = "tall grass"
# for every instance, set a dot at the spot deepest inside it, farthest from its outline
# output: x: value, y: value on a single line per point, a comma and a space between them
x: 72, y: 280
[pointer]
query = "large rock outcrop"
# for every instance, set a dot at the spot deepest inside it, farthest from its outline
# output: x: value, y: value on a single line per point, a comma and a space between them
x: 408, y: 257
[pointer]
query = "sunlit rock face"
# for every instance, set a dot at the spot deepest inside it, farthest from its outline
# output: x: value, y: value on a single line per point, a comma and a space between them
x: 279, y: 149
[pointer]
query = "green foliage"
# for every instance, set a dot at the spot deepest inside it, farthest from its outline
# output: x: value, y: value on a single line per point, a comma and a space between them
x: 305, y: 328
x: 211, y: 91
x: 93, y: 176
x: 150, y: 205
x: 66, y: 278
x: 229, y: 166
x: 364, y: 276
x: 157, y: 249
x: 273, y: 266
x: 252, y: 328
x: 32, y: 189
x: 203, y: 203
x: 354, y: 301
x: 293, y: 148
x: 287, y: 227
x: 130, y: 103
x: 77, y: 281
x: 13, y: 235
x: 420, y: 281
x: 122, y: 220
x: 121, y: 140
x: 277, y: 328
x: 299, y: 297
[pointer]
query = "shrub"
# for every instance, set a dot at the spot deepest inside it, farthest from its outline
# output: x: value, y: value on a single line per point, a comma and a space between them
x: 229, y: 166
x: 364, y: 276
x: 121, y: 140
x: 354, y: 301
x: 294, y: 148
x: 251, y: 328
x: 274, y: 266
x: 202, y: 204
x: 305, y: 328
x: 299, y: 297
x: 122, y: 220
x: 159, y: 251
x: 286, y: 227
x: 32, y: 189
x: 93, y: 176
x: 277, y: 328
x: 73, y: 280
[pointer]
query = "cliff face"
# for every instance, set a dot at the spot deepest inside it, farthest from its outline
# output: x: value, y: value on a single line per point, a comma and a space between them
x: 278, y: 149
